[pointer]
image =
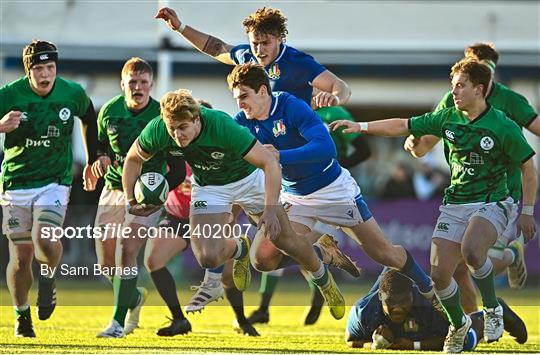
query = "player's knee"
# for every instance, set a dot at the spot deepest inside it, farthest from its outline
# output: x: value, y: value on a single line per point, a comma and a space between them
x: 264, y: 265
x: 440, y: 279
x: 45, y: 248
x: 153, y: 263
x: 472, y: 258
x: 209, y: 260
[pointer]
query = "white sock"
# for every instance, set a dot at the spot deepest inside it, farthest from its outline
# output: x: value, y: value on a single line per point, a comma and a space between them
x: 22, y: 308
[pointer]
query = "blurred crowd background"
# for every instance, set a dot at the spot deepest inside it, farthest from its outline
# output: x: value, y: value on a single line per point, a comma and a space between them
x: 395, y: 56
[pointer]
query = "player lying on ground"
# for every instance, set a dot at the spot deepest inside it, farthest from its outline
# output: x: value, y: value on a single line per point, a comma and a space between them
x: 394, y: 315
x: 480, y: 142
x: 38, y: 113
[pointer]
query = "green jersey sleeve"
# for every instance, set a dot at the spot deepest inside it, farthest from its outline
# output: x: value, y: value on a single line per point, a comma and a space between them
x: 102, y: 125
x: 154, y: 137
x: 428, y: 123
x: 515, y: 145
x: 520, y: 110
x: 83, y: 100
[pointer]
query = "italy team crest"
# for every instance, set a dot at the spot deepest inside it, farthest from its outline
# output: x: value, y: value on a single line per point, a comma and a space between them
x: 274, y: 72
x: 279, y: 128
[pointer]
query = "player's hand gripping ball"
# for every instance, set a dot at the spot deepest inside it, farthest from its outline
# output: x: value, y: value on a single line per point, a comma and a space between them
x: 382, y: 337
x: 151, y: 190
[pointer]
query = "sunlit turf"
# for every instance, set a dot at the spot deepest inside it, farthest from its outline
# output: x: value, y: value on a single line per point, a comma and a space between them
x: 72, y: 329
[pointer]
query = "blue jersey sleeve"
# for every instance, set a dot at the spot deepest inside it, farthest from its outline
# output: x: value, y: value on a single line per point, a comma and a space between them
x: 319, y: 147
x: 364, y: 317
x: 310, y: 67
x: 241, y: 54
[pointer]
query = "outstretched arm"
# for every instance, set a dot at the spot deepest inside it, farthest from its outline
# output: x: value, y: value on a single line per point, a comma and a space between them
x: 205, y: 43
x: 393, y: 127
x: 526, y: 223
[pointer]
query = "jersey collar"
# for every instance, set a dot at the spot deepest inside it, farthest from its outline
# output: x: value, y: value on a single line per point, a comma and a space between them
x: 482, y: 115
x: 274, y: 105
x: 282, y: 49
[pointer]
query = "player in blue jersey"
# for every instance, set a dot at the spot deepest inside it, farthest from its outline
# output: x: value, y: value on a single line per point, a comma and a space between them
x: 314, y: 186
x: 394, y: 315
x: 289, y: 69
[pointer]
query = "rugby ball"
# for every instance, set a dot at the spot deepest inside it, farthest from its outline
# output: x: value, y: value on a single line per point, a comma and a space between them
x: 151, y: 189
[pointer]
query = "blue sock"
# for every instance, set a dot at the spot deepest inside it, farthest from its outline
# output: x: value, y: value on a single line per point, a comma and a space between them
x: 471, y: 341
x: 318, y: 251
x: 413, y: 271
x: 217, y: 270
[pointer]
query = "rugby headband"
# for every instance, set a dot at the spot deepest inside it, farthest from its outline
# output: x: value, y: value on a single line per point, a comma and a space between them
x: 32, y: 59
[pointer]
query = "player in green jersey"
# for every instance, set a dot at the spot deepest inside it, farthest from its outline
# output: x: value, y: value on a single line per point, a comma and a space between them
x: 508, y: 253
x: 120, y: 121
x: 480, y: 145
x: 38, y: 113
x: 229, y: 166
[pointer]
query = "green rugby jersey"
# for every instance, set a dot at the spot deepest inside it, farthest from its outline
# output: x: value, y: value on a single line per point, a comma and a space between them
x: 119, y: 127
x: 39, y: 151
x: 215, y: 156
x: 479, y: 152
x: 341, y: 140
x: 517, y: 108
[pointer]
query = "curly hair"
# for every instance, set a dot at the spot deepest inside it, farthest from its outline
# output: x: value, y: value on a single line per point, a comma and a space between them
x: 478, y: 73
x: 482, y: 51
x: 179, y: 106
x: 394, y: 283
x: 267, y: 21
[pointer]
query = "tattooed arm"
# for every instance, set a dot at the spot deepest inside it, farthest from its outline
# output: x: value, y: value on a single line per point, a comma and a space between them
x: 207, y: 44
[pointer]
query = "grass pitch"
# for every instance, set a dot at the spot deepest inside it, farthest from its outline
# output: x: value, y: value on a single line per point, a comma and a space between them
x: 72, y: 329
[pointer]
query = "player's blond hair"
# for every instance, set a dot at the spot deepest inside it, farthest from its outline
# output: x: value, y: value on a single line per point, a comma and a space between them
x: 267, y: 21
x: 478, y: 73
x: 137, y: 65
x: 179, y: 106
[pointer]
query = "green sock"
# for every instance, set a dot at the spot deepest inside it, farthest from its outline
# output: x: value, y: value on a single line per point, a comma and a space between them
x: 487, y: 290
x: 452, y: 307
x: 268, y: 283
x: 322, y: 280
x: 25, y: 313
x: 123, y: 294
x: 135, y: 296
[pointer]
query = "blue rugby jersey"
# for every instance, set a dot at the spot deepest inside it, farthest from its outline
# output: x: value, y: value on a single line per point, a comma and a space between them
x: 307, y: 153
x: 422, y: 322
x: 293, y: 71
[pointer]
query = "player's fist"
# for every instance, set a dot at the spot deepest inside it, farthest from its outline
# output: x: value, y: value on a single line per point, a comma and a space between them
x: 410, y: 143
x: 325, y: 99
x: 170, y: 17
x: 10, y: 121
x: 382, y: 337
